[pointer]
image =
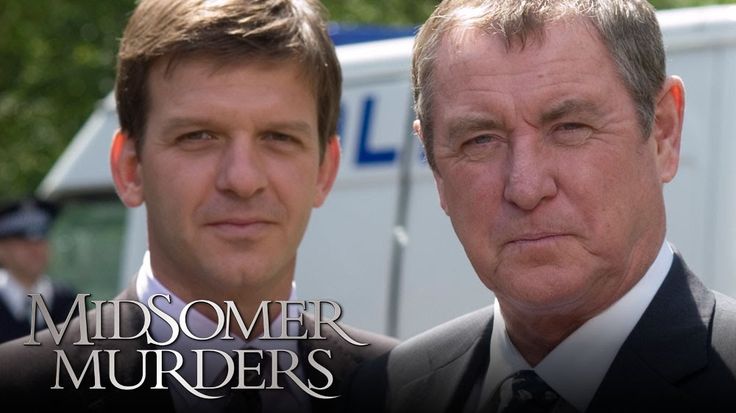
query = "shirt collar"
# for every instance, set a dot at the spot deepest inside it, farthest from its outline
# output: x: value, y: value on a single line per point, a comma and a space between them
x: 147, y: 285
x: 577, y: 366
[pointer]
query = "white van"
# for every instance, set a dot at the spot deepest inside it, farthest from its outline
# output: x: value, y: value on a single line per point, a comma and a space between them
x: 408, y: 278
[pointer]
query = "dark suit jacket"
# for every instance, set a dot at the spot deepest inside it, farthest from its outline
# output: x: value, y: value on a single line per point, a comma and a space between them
x: 681, y: 356
x: 28, y: 372
x: 11, y: 328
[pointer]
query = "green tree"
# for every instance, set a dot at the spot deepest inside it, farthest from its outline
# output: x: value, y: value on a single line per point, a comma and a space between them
x: 671, y: 4
x: 57, y: 60
x: 416, y: 11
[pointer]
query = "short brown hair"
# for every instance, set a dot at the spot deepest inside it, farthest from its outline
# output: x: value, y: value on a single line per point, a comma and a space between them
x: 628, y: 28
x: 226, y: 29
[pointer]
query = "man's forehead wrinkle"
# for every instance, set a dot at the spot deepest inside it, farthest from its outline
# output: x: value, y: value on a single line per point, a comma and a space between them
x: 473, y: 121
x: 462, y: 58
x: 494, y: 69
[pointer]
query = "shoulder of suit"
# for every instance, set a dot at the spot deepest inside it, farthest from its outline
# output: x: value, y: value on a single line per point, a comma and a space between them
x: 718, y: 315
x: 25, y: 366
x: 440, y: 345
x: 724, y: 329
x: 374, y: 344
x: 725, y: 304
x: 418, y: 357
x: 29, y: 370
x: 345, y: 357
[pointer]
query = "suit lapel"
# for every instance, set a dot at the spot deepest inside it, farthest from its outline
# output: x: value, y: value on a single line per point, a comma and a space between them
x: 669, y: 342
x: 448, y: 384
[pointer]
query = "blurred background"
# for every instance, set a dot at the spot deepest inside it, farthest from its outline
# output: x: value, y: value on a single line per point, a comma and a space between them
x: 57, y: 59
x: 57, y: 62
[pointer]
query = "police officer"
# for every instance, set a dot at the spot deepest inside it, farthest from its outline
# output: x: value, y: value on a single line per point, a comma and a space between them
x: 24, y: 257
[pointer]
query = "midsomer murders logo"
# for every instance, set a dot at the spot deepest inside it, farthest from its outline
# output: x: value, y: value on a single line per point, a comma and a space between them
x: 235, y: 363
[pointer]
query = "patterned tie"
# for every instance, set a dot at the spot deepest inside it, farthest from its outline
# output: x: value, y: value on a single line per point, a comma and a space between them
x: 524, y: 392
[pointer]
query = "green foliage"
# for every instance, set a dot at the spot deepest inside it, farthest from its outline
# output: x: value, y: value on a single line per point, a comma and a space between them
x: 671, y: 4
x: 387, y: 12
x: 57, y: 60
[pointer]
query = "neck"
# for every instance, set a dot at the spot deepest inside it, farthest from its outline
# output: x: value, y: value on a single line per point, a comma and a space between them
x: 246, y: 295
x: 249, y: 310
x: 247, y: 301
x: 248, y: 306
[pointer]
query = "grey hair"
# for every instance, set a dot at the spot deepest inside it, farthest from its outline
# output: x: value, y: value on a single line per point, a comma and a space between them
x: 628, y: 28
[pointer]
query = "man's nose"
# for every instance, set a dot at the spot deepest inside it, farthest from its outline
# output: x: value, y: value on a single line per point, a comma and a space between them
x: 241, y: 170
x: 530, y: 175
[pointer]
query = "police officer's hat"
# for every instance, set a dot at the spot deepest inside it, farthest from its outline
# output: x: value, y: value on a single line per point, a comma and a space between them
x: 29, y: 218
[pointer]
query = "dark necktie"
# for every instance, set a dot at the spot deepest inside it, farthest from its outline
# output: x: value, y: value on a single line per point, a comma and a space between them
x: 248, y: 400
x: 523, y: 392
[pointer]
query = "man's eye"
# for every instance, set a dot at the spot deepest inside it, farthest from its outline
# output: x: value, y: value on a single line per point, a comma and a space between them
x: 480, y: 140
x: 283, y: 140
x: 481, y: 147
x: 571, y: 133
x: 197, y: 136
x: 282, y: 137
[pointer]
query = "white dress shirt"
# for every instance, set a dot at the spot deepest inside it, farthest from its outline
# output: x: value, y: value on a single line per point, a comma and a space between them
x: 289, y: 399
x: 577, y: 366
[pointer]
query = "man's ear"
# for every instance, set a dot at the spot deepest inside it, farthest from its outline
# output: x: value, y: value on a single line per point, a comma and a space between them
x: 417, y: 126
x: 667, y: 129
x: 126, y: 170
x: 328, y: 170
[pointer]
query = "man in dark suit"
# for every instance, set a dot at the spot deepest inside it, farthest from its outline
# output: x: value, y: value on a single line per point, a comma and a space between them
x: 228, y: 113
x: 551, y: 127
x: 24, y: 258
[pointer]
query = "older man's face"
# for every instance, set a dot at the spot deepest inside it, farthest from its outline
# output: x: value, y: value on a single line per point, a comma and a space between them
x: 542, y: 167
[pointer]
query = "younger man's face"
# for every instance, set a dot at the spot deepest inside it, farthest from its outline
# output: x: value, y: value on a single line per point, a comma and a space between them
x: 229, y: 172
